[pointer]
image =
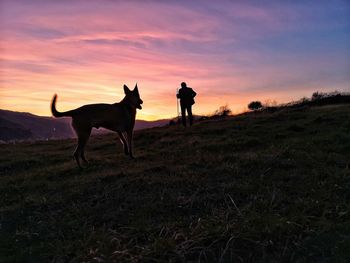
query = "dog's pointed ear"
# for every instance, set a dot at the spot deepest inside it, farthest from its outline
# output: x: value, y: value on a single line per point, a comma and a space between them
x: 126, y: 89
x: 136, y: 89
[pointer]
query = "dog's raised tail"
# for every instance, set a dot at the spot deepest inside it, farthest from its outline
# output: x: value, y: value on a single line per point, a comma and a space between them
x: 54, y: 111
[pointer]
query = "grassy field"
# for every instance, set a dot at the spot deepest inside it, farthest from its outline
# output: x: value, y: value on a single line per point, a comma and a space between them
x: 260, y: 187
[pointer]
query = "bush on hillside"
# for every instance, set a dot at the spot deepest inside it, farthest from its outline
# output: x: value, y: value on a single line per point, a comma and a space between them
x: 321, y: 95
x: 255, y: 105
x: 223, y: 111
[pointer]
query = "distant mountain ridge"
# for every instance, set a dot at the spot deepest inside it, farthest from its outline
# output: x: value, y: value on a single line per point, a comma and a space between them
x: 16, y: 126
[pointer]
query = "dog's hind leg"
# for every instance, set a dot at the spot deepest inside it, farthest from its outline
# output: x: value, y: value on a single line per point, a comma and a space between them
x: 76, y: 154
x: 83, y: 137
x: 82, y: 155
x: 123, y: 141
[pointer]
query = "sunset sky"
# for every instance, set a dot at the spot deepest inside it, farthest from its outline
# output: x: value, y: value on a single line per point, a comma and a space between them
x: 229, y: 52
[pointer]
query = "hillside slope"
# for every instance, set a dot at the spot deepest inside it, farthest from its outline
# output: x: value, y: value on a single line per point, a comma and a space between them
x: 265, y: 187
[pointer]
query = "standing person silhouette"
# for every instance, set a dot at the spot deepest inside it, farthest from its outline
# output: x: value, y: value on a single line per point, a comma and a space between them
x: 186, y: 96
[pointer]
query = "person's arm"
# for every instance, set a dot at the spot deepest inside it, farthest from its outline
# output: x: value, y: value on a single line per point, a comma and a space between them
x: 178, y: 94
x: 193, y: 94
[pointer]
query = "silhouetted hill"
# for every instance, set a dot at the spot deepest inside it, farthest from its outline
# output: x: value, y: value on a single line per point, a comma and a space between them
x: 266, y: 187
x: 317, y: 99
x: 27, y: 126
x: 142, y: 124
x: 39, y: 127
x: 13, y: 131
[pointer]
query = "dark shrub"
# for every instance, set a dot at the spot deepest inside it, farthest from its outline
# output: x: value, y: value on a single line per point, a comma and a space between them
x: 255, y: 105
x: 223, y: 111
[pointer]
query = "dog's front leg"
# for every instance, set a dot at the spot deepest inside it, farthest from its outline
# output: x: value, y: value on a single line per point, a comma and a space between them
x: 129, y: 137
x: 123, y: 141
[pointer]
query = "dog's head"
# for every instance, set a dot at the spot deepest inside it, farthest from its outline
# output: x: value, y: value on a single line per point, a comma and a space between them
x: 133, y: 97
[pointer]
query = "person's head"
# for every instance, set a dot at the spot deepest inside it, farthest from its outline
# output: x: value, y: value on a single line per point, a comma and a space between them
x: 183, y: 85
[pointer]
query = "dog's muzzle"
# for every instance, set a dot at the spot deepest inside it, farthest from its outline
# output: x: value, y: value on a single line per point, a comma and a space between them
x: 139, y: 106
